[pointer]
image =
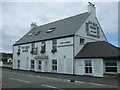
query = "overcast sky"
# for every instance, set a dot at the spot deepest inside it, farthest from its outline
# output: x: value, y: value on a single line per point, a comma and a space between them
x: 17, y: 17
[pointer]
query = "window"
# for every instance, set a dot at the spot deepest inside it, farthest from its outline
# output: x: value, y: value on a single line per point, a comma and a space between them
x: 18, y: 64
x: 54, y: 44
x: 51, y: 30
x: 54, y: 65
x: 32, y: 64
x: 30, y: 34
x: 37, y: 32
x: 111, y: 66
x: 34, y: 49
x: 18, y: 52
x: 88, y: 66
x: 82, y: 41
x: 39, y: 65
x: 43, y: 47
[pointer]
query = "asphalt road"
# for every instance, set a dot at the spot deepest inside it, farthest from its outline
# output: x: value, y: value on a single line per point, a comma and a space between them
x: 14, y: 79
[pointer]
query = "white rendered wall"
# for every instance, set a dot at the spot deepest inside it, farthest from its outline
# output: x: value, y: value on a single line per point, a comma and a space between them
x: 97, y: 67
x: 81, y: 33
x: 64, y: 56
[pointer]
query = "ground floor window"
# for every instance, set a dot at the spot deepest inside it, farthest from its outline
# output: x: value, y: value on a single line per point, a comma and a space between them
x: 54, y: 65
x: 32, y: 64
x: 88, y: 67
x: 39, y: 65
x: 111, y: 66
x: 18, y: 64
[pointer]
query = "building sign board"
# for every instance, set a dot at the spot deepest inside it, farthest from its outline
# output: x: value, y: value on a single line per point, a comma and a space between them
x: 92, y: 29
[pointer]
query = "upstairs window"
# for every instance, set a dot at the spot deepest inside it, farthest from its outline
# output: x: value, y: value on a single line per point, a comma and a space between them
x: 33, y: 49
x: 54, y: 46
x: 18, y: 52
x: 82, y: 41
x: 43, y: 47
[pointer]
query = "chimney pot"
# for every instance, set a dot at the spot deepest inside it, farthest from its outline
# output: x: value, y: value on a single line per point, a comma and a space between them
x: 33, y: 25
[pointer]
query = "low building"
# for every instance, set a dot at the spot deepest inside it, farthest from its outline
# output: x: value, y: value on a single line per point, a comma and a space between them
x: 53, y: 47
x: 97, y: 59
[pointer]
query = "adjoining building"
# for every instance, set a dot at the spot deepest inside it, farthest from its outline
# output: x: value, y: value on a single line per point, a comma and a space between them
x: 97, y: 59
x: 55, y: 47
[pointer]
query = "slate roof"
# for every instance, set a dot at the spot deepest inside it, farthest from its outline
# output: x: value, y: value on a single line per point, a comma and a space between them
x: 100, y: 49
x: 65, y: 27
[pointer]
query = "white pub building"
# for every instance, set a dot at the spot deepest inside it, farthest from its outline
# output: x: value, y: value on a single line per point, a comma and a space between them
x: 67, y: 46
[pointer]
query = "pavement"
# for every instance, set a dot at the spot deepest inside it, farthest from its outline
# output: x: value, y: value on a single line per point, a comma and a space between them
x: 107, y: 81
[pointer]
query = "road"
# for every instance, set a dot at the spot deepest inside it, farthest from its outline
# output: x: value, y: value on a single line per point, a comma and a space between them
x: 13, y: 79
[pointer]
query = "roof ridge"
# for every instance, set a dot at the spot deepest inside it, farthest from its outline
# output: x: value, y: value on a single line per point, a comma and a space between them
x: 61, y: 19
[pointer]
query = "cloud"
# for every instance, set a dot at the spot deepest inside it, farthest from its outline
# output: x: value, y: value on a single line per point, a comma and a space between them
x: 17, y: 17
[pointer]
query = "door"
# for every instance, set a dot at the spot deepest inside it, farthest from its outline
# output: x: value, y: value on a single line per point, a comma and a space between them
x: 88, y: 67
x: 18, y: 64
x: 39, y: 65
x: 32, y: 64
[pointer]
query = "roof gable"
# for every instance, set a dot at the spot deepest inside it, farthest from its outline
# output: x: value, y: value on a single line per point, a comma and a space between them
x: 64, y: 27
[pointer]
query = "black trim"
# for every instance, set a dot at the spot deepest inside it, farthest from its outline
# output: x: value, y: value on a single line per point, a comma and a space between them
x: 65, y: 45
x: 44, y: 40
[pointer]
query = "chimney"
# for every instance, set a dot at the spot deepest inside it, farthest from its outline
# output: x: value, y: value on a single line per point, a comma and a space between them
x: 92, y: 9
x: 33, y: 25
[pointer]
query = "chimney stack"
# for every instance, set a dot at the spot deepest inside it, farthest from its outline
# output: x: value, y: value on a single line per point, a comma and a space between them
x: 92, y: 9
x: 33, y: 25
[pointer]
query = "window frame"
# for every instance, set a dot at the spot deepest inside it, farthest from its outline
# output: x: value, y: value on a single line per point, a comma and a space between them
x: 82, y: 41
x: 54, y: 65
x: 111, y: 66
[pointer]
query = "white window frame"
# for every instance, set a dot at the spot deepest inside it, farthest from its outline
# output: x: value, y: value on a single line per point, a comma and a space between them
x: 39, y: 64
x: 32, y: 64
x: 88, y: 67
x: 54, y: 69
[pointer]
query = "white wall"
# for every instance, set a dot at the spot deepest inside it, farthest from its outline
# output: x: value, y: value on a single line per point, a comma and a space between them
x: 97, y: 67
x: 64, y: 56
x: 81, y: 33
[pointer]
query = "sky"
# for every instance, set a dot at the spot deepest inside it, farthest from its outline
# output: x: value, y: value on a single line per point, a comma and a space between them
x: 17, y: 17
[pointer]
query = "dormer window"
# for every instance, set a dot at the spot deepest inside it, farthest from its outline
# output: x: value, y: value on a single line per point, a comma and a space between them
x: 30, y: 34
x: 37, y: 32
x: 51, y: 30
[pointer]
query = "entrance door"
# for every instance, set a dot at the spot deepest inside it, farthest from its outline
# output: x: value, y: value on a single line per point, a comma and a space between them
x: 18, y: 64
x: 39, y: 65
x: 32, y: 64
x: 88, y: 67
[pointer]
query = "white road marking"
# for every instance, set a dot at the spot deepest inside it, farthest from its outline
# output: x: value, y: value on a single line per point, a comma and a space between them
x: 48, y: 86
x: 66, y: 80
x: 20, y: 80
